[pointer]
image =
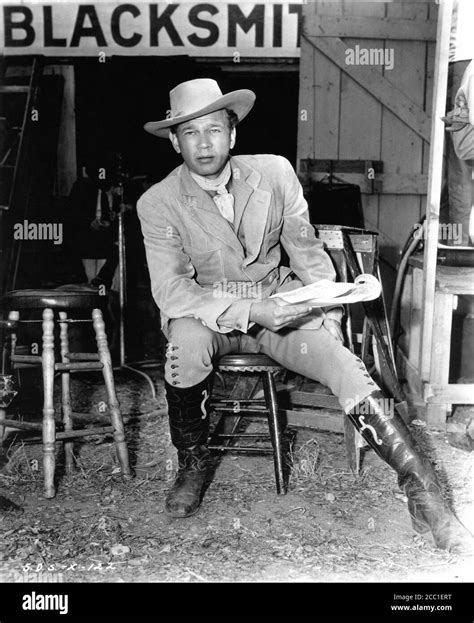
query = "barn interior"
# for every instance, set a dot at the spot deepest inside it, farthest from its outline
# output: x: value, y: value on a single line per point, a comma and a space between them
x: 365, y: 137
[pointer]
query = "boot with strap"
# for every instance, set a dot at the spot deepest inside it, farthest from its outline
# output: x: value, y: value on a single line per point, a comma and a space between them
x: 386, y: 432
x: 189, y: 428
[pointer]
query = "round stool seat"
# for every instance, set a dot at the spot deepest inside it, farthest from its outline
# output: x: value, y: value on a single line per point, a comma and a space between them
x: 248, y: 362
x: 70, y: 298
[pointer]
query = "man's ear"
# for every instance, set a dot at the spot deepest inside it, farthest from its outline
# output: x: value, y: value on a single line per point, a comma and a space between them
x: 233, y: 135
x: 174, y: 142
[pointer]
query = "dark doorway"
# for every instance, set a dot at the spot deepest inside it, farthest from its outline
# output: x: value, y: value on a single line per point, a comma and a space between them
x: 114, y: 99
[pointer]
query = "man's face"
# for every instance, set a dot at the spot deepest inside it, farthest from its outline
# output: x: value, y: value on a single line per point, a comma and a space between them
x: 204, y: 143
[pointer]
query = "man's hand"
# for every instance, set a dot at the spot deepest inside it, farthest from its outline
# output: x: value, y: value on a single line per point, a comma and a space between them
x: 334, y: 328
x: 274, y: 314
x: 332, y: 322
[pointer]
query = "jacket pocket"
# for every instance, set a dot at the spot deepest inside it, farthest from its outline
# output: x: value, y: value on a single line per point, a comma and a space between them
x: 209, y: 265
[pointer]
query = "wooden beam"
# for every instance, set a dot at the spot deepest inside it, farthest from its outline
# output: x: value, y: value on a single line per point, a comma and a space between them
x: 369, y: 27
x: 386, y: 183
x: 319, y: 421
x: 314, y: 399
x: 377, y: 85
x: 455, y: 279
x: 434, y: 186
x: 325, y: 165
x: 452, y: 393
x: 404, y: 183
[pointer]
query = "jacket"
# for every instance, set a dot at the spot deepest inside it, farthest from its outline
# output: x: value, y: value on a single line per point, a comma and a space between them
x: 202, y: 267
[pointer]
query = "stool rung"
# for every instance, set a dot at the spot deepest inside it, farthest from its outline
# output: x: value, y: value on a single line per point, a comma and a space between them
x: 244, y: 435
x: 85, y: 432
x: 85, y: 365
x: 249, y: 449
x: 246, y: 400
x: 231, y: 410
x: 29, y: 426
x: 70, y: 320
x: 82, y: 356
x: 22, y: 425
x: 26, y: 358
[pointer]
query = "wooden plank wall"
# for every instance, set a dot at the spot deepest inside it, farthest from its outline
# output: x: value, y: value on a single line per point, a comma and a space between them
x: 345, y: 121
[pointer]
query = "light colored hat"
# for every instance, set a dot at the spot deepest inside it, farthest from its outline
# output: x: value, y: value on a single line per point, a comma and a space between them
x: 198, y: 97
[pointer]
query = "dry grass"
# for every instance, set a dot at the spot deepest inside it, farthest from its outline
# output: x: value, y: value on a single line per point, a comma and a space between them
x: 305, y: 460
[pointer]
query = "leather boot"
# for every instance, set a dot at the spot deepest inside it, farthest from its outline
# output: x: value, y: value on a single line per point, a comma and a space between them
x: 189, y: 428
x: 386, y: 432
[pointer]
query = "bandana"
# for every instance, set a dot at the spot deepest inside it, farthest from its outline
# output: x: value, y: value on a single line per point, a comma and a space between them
x: 224, y: 200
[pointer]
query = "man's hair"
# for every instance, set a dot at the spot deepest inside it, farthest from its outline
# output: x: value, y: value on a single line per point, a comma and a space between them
x: 232, y: 118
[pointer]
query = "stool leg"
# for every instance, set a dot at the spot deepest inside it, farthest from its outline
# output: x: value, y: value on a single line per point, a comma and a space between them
x: 115, y: 415
x: 274, y: 427
x: 3, y: 414
x: 66, y: 393
x: 6, y: 368
x: 49, y: 425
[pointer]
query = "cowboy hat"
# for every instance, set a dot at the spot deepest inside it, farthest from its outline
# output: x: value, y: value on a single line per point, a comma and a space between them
x: 199, y: 97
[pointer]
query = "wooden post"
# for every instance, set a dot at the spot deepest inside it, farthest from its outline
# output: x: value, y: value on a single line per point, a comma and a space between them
x: 439, y: 375
x: 67, y: 158
x: 434, y: 187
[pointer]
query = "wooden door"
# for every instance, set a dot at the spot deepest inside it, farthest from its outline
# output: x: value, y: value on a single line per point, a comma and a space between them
x: 370, y: 113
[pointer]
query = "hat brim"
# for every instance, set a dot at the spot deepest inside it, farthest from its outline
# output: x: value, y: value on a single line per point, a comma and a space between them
x: 241, y: 102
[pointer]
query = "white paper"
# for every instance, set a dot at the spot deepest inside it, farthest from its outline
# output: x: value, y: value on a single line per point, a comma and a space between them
x: 325, y: 293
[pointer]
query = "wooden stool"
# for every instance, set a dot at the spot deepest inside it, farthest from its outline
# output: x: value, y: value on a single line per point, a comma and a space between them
x: 226, y: 429
x: 62, y: 301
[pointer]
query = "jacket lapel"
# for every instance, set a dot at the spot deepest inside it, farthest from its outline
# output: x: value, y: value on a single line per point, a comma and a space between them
x: 252, y: 206
x: 204, y: 211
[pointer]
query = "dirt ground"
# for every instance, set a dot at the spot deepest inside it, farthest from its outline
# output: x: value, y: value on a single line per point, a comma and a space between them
x: 331, y: 525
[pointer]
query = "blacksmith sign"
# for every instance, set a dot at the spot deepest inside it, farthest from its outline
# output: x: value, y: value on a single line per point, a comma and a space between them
x: 218, y: 29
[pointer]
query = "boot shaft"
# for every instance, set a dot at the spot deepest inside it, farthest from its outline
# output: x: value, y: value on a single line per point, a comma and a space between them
x: 188, y: 411
x: 383, y: 428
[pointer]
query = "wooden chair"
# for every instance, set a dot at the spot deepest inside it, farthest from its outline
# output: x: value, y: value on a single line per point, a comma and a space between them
x: 235, y: 407
x: 55, y: 305
x: 354, y: 251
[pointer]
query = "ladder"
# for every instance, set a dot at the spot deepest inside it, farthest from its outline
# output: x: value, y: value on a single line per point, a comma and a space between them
x: 18, y: 99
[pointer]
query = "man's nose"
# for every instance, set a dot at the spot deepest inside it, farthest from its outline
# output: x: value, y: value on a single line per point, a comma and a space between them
x: 204, y: 140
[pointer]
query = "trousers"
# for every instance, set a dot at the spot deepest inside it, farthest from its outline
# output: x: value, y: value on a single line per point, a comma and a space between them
x: 315, y: 354
x: 457, y: 201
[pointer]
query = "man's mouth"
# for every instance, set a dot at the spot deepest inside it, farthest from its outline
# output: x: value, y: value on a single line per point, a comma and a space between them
x: 205, y: 158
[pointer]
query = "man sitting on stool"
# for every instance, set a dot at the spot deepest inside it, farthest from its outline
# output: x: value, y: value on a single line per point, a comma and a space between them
x: 218, y: 220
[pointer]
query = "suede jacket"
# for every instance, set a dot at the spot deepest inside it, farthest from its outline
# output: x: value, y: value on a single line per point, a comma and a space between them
x: 203, y: 267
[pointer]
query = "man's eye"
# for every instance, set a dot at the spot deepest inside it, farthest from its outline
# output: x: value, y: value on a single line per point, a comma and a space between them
x: 215, y: 130
x: 189, y: 132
